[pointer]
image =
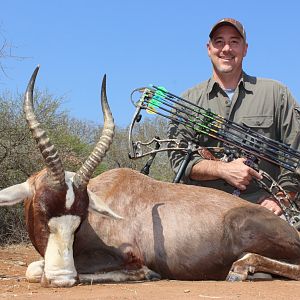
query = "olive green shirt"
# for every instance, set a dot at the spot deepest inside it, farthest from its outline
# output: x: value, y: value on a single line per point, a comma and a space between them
x: 264, y: 105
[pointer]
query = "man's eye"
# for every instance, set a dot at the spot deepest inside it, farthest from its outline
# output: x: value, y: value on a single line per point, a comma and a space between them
x: 218, y: 42
x: 234, y: 42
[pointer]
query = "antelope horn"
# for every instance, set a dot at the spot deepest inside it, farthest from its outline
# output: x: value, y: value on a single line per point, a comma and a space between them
x: 54, y: 165
x: 84, y: 174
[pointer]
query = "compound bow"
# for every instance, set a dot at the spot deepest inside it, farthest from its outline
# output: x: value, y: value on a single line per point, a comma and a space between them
x: 157, y: 100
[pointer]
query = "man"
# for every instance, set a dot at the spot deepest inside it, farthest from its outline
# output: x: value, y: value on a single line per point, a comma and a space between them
x: 264, y: 105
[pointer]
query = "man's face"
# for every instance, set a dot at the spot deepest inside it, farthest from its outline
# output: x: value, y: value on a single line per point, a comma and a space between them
x: 226, y: 50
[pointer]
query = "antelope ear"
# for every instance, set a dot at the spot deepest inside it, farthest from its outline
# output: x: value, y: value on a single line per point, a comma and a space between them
x: 15, y: 194
x: 96, y: 204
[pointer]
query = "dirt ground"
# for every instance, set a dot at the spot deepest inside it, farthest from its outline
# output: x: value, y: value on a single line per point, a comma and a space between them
x: 14, y: 261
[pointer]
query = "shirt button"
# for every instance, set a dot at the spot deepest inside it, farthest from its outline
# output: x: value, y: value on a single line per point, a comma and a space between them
x: 227, y: 102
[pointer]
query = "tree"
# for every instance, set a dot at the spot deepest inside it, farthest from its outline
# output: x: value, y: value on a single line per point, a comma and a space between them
x: 6, y: 53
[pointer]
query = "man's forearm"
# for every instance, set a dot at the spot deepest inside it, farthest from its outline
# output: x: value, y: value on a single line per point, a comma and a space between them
x: 206, y: 170
x: 236, y: 172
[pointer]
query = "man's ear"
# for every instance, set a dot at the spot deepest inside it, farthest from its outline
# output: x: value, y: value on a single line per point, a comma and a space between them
x: 246, y: 49
x: 15, y: 194
x: 208, y: 48
x: 96, y: 204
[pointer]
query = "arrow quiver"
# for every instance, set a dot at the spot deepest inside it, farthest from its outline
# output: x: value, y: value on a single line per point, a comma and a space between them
x: 238, y: 141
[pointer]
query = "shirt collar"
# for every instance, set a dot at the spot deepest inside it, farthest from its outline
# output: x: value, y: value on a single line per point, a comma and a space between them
x: 246, y: 82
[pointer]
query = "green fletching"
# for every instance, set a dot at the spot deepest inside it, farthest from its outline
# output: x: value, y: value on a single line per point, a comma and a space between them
x: 162, y: 89
x: 155, y: 102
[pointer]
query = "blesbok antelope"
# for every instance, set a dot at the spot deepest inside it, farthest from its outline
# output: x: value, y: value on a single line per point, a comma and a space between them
x: 166, y: 230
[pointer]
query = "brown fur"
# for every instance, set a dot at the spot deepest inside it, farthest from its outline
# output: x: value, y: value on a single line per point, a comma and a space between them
x: 179, y: 231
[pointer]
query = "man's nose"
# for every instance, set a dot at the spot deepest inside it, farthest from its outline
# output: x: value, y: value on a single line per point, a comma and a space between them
x: 226, y: 47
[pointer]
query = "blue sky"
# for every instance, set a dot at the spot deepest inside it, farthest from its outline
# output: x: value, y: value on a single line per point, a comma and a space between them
x: 137, y: 43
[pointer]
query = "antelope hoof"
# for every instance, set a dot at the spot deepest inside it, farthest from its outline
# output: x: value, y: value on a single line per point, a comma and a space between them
x: 152, y: 276
x: 259, y: 276
x: 233, y: 276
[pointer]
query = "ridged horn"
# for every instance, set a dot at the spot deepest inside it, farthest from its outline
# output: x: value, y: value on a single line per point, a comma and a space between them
x: 84, y: 174
x: 54, y: 165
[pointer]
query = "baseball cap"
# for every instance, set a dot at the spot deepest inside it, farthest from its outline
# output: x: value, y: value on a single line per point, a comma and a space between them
x: 232, y: 22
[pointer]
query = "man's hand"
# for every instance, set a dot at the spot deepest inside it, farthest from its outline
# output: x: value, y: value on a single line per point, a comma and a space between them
x: 271, y: 204
x: 237, y: 174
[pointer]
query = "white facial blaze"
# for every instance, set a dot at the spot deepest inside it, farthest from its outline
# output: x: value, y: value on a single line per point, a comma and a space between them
x: 70, y: 197
x: 59, y: 261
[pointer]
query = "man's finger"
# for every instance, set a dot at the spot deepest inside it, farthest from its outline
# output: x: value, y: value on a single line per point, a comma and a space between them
x: 255, y: 174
